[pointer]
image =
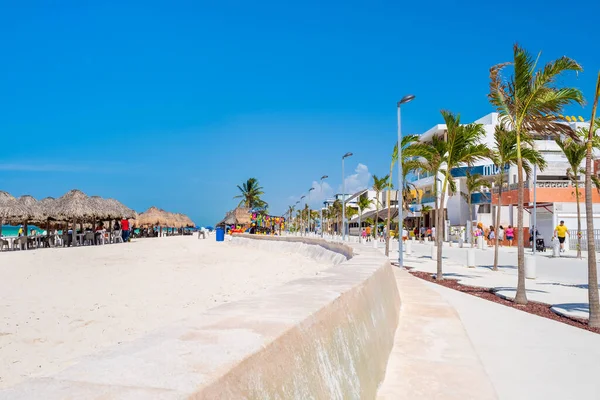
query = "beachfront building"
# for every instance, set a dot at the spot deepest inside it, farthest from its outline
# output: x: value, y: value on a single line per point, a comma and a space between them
x: 555, y: 194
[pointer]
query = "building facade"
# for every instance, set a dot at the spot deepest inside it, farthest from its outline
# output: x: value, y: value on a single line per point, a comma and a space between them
x: 554, y: 192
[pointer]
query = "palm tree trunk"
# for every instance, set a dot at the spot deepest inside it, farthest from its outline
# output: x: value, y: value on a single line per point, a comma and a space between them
x: 578, y: 220
x: 521, y: 296
x: 593, y: 299
x: 439, y: 233
x: 498, y: 212
x: 359, y: 225
x: 389, y: 216
x: 376, y: 227
x: 470, y: 219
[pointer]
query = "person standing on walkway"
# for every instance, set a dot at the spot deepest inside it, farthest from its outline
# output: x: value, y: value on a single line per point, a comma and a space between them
x: 500, y: 235
x: 561, y: 232
x: 510, y: 235
x: 125, y: 230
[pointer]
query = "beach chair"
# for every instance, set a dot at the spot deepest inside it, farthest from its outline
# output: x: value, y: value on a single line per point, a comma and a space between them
x: 88, y: 238
x: 21, y: 242
x: 118, y: 238
x: 4, y: 242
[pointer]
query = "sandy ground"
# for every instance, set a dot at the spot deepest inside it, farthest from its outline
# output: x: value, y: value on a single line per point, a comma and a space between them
x: 60, y: 304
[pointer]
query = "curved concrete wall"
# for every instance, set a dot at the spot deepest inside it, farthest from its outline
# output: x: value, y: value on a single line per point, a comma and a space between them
x: 324, y: 337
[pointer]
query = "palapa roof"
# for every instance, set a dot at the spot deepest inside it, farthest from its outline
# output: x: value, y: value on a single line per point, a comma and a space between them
x: 157, y: 217
x: 74, y: 204
x: 240, y: 215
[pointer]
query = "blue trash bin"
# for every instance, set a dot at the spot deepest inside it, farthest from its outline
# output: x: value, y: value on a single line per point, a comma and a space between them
x: 220, y: 234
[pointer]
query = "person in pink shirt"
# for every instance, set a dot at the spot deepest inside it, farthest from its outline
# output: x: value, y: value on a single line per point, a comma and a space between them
x: 510, y: 235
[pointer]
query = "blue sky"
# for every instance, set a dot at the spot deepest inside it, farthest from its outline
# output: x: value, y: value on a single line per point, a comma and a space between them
x: 175, y: 103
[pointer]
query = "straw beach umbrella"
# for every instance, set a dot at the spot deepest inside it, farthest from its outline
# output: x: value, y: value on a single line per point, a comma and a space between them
x: 8, y: 207
x: 120, y: 210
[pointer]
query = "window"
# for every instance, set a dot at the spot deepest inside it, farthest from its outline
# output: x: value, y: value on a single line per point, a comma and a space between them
x: 484, y: 209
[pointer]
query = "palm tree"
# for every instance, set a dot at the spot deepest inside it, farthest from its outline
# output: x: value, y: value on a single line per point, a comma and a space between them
x: 290, y: 213
x: 593, y: 299
x: 461, y: 147
x: 474, y: 184
x: 336, y: 212
x: 528, y: 103
x: 251, y: 194
x: 504, y: 155
x: 379, y: 185
x: 363, y: 203
x: 575, y: 152
x: 408, y: 164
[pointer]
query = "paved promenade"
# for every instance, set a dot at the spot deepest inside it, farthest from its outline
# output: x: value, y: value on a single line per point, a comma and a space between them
x: 561, y: 282
x: 451, y: 345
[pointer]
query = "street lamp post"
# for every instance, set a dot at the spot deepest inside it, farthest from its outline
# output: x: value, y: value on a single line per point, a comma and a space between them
x: 404, y: 100
x: 308, y: 211
x: 322, y: 231
x: 301, y: 219
x: 344, y: 197
x: 534, y: 207
x: 298, y: 202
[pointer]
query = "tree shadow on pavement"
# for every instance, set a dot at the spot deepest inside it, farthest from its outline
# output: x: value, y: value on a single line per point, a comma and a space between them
x: 490, y: 267
x: 580, y: 286
x: 581, y: 307
x: 514, y: 289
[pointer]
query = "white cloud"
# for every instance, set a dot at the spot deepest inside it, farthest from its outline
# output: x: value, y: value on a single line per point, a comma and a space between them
x: 358, y: 181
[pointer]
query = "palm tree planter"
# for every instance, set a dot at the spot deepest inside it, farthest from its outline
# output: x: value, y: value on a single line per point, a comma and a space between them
x: 528, y: 103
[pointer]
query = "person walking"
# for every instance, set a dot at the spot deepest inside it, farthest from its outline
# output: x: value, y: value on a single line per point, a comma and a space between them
x: 125, y: 230
x: 500, y: 235
x: 561, y: 231
x: 510, y: 235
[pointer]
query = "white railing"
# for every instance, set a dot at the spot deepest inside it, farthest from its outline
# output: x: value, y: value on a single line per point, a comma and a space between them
x: 573, y: 239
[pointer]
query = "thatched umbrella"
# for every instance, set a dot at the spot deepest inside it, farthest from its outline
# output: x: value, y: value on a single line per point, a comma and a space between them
x: 29, y: 210
x: 8, y: 208
x: 74, y: 205
x: 154, y: 217
x: 120, y: 210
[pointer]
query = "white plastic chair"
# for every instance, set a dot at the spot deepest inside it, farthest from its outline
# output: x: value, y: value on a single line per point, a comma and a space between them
x: 118, y: 238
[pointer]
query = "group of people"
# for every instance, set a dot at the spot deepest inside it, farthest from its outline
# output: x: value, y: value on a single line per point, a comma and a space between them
x: 491, y: 235
x: 560, y: 232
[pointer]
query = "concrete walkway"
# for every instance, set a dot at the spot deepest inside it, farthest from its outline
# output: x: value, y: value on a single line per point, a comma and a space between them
x: 525, y: 356
x: 561, y: 282
x: 451, y: 345
x: 432, y: 357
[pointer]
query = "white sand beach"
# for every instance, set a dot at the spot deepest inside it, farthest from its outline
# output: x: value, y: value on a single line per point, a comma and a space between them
x: 60, y: 304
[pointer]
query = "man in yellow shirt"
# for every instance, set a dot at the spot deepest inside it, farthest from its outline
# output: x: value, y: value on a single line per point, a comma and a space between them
x: 561, y: 232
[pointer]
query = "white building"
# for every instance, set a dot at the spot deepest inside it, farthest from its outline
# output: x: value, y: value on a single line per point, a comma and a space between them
x: 555, y: 196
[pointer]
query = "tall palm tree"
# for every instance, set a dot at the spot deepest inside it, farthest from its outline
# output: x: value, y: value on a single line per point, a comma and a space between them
x: 575, y: 152
x: 462, y: 147
x: 336, y: 212
x: 379, y: 185
x: 504, y: 155
x: 528, y: 103
x: 290, y: 213
x: 251, y: 193
x: 363, y: 204
x: 474, y: 184
x: 409, y: 164
x: 593, y: 297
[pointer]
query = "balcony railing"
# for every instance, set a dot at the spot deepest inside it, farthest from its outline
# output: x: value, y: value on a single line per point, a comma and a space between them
x: 540, y: 184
